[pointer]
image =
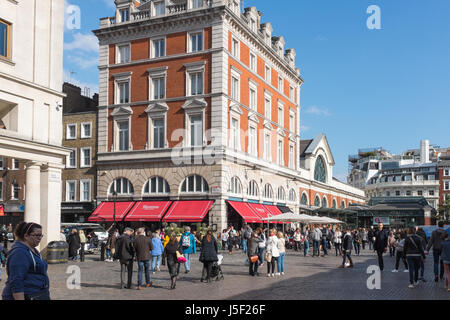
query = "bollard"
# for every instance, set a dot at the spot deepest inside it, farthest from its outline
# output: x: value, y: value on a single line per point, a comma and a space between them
x: 102, y: 252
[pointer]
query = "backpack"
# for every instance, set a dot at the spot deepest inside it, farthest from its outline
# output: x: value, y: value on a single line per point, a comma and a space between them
x: 186, y: 241
x: 248, y: 233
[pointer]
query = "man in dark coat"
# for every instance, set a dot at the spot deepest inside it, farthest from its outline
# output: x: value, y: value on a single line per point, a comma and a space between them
x: 125, y: 253
x: 74, y: 245
x: 208, y: 255
x: 347, y: 244
x: 380, y: 243
x: 143, y: 246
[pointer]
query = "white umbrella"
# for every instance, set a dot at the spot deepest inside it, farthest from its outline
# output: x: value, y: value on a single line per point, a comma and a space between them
x: 324, y: 220
x: 291, y: 217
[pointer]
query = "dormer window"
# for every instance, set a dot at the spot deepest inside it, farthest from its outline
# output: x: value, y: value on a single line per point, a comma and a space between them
x: 253, y: 25
x: 158, y: 8
x: 197, y: 4
x: 124, y: 15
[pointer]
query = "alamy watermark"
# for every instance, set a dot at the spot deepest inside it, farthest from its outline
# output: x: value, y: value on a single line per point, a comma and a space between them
x: 374, y: 20
x: 73, y: 17
x: 374, y: 280
x: 74, y: 280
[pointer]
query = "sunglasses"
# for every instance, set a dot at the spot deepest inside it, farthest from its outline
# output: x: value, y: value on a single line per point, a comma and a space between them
x: 40, y: 236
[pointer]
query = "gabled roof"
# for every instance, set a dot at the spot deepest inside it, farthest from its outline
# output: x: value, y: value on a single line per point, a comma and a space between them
x: 312, y: 146
x: 304, y: 144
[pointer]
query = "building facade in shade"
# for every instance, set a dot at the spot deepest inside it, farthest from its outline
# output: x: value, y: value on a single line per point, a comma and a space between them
x: 31, y: 70
x: 12, y: 190
x: 444, y: 179
x: 199, y: 101
x: 412, y: 174
x: 79, y: 178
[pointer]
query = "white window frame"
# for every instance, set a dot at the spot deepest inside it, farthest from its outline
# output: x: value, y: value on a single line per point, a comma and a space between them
x: 1, y: 163
x: 252, y: 189
x: 152, y: 47
x: 446, y: 185
x: 281, y: 107
x: 117, y: 121
x: 192, y: 2
x: 189, y: 40
x: 253, y: 143
x: 446, y: 172
x: 152, y: 88
x: 13, y: 164
x: 83, y: 136
x: 235, y: 48
x: 158, y: 179
x: 269, y: 189
x: 253, y: 86
x: 118, y: 80
x: 267, y: 73
x: 267, y: 148
x: 118, y: 53
x: 82, y: 157
x: 122, y: 180
x: 268, y: 106
x: 280, y: 84
x: 192, y: 68
x: 67, y: 191
x: 431, y: 193
x: 291, y: 156
x: 235, y: 135
x: 292, y: 126
x: 68, y: 166
x: 292, y: 195
x: 154, y: 8
x: 291, y: 93
x: 120, y: 14
x: 189, y: 140
x: 253, y: 66
x: 68, y: 131
x: 280, y: 153
x: 235, y: 93
x: 152, y: 131
x: 203, y: 182
x: 82, y: 182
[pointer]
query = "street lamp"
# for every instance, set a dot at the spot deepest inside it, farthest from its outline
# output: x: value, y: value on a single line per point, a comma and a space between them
x: 114, y: 214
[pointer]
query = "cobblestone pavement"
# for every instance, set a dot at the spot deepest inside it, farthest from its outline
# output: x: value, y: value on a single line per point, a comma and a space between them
x: 305, y: 278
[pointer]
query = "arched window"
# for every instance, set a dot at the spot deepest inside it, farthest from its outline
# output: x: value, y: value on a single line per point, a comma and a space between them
x: 317, y: 201
x: 235, y: 186
x: 156, y: 185
x: 292, y: 195
x: 281, y: 195
x: 343, y: 204
x: 324, y: 202
x: 304, y: 199
x: 122, y: 186
x: 268, y: 193
x: 319, y: 171
x: 195, y: 183
x: 253, y: 190
x: 334, y: 204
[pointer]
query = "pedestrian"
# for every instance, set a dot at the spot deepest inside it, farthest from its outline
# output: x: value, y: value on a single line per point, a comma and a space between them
x: 231, y: 239
x: 253, y: 253
x: 325, y: 233
x: 364, y: 238
x: 282, y: 250
x: 445, y: 255
x: 414, y: 252
x: 347, y: 243
x: 187, y: 243
x: 357, y: 241
x: 272, y: 252
x: 246, y: 235
x: 297, y: 239
x: 391, y: 244
x: 143, y: 246
x: 165, y: 242
x: 337, y: 240
x: 400, y: 244
x: 371, y: 235
x: 436, y: 242
x: 421, y: 233
x: 261, y: 245
x: 208, y: 255
x: 225, y: 236
x: 62, y: 236
x: 306, y: 241
x: 317, y: 237
x: 26, y: 269
x: 82, y: 244
x: 172, y: 248
x: 125, y: 254
x: 157, y: 252
x: 74, y: 245
x: 380, y: 240
x: 163, y: 239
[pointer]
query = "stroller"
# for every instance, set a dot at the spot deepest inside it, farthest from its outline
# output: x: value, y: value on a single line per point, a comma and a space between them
x: 216, y: 270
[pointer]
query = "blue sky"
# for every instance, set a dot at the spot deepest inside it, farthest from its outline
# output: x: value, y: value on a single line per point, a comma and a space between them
x: 363, y: 88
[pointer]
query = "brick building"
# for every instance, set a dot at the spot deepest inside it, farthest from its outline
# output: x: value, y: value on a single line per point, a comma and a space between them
x: 444, y: 177
x: 12, y: 190
x: 80, y: 136
x: 199, y: 101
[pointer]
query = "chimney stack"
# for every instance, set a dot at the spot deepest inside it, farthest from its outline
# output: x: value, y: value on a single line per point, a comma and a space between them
x: 424, y: 151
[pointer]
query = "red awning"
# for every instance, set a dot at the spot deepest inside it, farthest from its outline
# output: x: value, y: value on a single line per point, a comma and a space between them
x: 275, y: 212
x: 245, y: 212
x: 263, y: 211
x: 148, y: 211
x: 188, y: 211
x: 105, y: 211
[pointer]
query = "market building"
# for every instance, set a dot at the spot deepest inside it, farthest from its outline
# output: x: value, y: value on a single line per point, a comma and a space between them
x: 199, y: 113
x: 79, y: 177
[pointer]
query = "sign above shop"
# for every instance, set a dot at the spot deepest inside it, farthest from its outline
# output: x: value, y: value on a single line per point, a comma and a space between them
x: 383, y: 220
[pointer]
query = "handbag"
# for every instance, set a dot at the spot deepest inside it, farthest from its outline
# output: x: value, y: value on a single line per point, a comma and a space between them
x: 254, y: 259
x: 180, y: 258
x: 268, y: 256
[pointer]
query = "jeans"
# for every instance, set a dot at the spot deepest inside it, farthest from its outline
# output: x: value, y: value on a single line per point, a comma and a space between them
x: 126, y: 267
x: 297, y: 245
x: 187, y: 264
x: 156, y: 262
x: 399, y: 256
x: 436, y: 257
x: 253, y: 268
x: 280, y: 266
x: 316, y: 247
x: 392, y: 251
x: 370, y: 244
x: 244, y: 245
x: 260, y: 255
x: 414, y: 265
x: 364, y: 244
x: 271, y: 265
x: 108, y: 254
x: 305, y: 248
x: 422, y: 268
x: 143, y: 265
x: 380, y: 259
x: 357, y: 248
x: 324, y: 247
x: 206, y: 272
x: 337, y: 247
x: 347, y: 254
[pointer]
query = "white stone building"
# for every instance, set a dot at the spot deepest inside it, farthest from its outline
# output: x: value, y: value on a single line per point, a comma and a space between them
x: 31, y: 70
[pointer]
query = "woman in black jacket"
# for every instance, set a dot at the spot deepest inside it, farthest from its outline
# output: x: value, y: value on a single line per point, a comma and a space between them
x: 253, y: 250
x: 172, y: 260
x: 414, y: 253
x: 208, y: 255
x: 74, y: 245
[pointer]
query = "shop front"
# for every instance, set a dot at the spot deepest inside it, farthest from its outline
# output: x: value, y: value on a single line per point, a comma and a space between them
x: 78, y: 212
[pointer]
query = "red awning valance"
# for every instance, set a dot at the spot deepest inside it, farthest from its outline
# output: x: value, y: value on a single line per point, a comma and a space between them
x: 148, y: 211
x: 245, y: 212
x: 105, y: 211
x: 188, y: 211
x: 264, y: 211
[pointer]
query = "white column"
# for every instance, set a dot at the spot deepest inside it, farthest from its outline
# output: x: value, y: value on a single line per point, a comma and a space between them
x: 51, y: 203
x: 33, y: 196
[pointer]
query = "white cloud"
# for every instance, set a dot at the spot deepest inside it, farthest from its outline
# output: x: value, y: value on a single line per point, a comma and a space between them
x: 83, y: 42
x: 304, y: 128
x: 318, y: 111
x: 83, y: 62
x: 70, y: 78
